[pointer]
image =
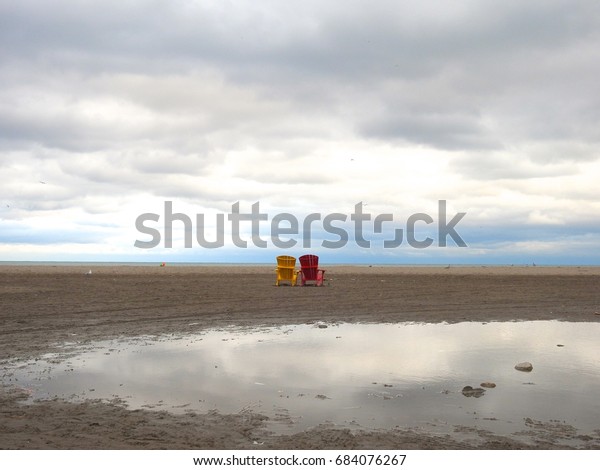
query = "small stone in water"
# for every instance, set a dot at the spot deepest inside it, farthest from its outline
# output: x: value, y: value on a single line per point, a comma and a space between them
x: 488, y: 384
x: 469, y: 391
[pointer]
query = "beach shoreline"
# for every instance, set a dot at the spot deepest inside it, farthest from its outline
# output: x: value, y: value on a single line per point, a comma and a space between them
x: 45, y: 306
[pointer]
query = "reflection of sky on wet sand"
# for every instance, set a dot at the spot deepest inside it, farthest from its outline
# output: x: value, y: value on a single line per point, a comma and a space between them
x: 424, y: 366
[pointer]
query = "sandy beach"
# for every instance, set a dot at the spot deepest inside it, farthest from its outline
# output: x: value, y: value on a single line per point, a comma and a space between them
x: 42, y: 307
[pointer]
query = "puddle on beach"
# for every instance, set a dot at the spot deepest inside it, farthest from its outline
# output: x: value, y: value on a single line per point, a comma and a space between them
x: 368, y: 376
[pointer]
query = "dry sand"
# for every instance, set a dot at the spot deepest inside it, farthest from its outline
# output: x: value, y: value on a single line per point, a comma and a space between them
x: 42, y: 307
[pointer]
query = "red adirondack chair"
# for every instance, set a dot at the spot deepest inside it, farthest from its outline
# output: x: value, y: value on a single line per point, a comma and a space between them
x: 309, y: 270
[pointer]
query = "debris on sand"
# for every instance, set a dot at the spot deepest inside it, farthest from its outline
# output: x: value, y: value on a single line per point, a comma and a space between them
x: 487, y: 385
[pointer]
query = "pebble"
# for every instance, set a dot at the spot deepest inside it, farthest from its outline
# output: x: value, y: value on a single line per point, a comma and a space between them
x: 524, y: 366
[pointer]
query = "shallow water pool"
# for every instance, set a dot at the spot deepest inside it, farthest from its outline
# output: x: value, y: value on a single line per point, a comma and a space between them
x: 368, y: 376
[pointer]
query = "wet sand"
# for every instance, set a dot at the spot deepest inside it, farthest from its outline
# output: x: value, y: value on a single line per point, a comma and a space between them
x: 42, y: 307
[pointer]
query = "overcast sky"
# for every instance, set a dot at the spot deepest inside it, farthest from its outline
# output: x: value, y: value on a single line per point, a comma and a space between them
x: 110, y: 108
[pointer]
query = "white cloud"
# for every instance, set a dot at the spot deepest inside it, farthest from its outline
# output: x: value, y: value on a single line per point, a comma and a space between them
x: 108, y: 109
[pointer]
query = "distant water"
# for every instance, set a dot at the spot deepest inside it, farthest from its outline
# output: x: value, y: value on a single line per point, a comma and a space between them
x: 119, y: 263
x: 269, y: 263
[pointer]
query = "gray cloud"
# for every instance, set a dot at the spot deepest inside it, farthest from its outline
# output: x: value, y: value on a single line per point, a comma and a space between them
x: 470, y: 74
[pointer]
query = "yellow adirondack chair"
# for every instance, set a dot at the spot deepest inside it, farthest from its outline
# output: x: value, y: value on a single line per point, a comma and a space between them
x: 286, y: 270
